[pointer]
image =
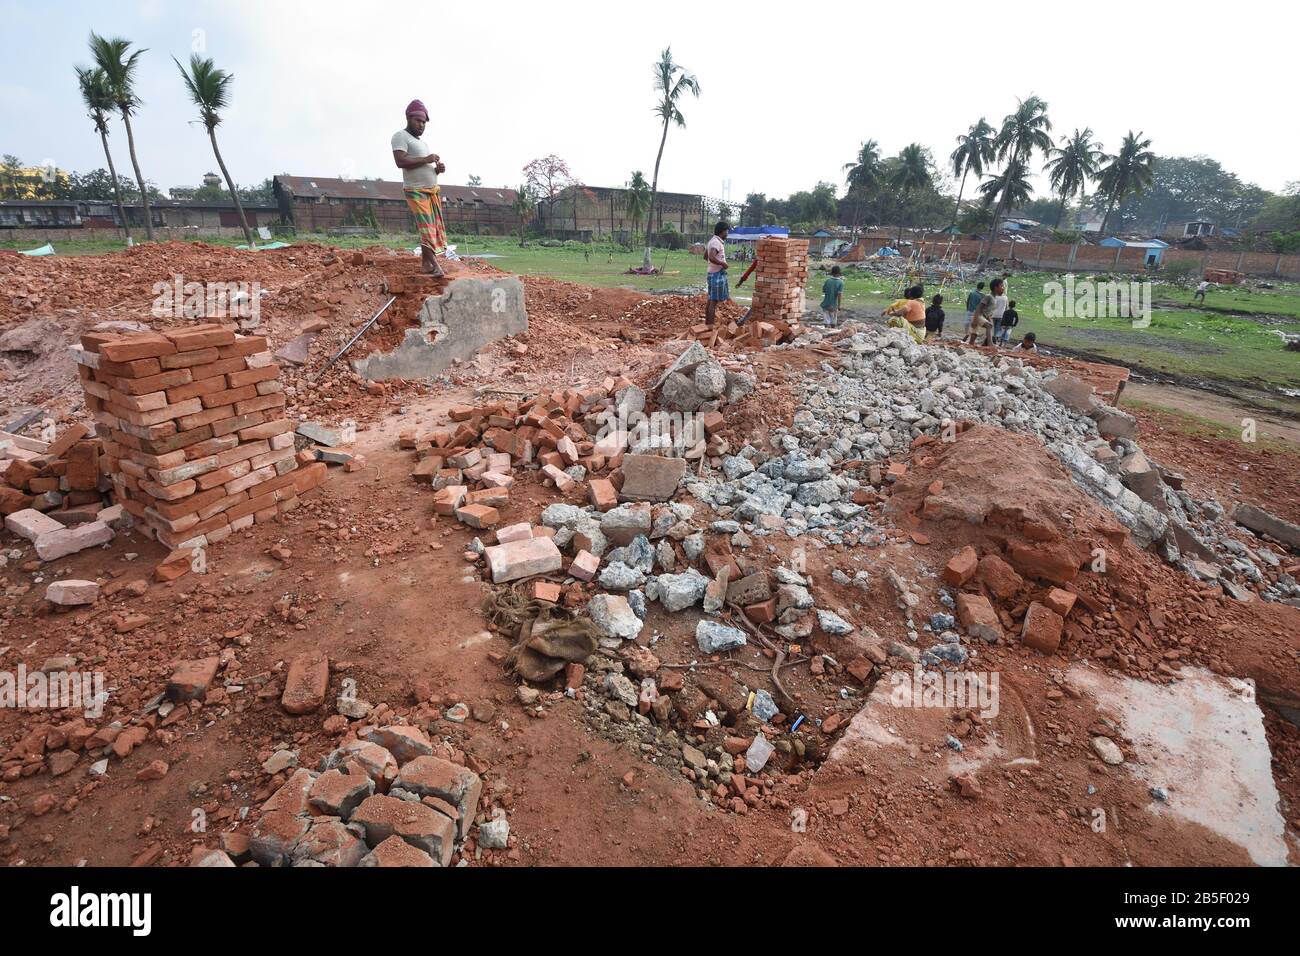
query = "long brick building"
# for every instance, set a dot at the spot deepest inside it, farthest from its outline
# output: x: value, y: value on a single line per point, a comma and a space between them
x: 319, y: 204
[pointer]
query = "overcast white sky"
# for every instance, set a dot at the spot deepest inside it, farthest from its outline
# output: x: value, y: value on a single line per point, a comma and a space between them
x: 788, y: 91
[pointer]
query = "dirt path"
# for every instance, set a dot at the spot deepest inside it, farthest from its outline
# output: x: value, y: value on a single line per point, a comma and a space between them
x: 1216, y: 407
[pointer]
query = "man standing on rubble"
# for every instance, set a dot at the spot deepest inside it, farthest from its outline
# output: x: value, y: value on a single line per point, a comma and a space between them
x: 420, y: 166
x: 715, y: 253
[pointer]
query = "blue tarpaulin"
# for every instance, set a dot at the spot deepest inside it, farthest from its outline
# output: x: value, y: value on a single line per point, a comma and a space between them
x: 754, y: 233
x: 45, y: 250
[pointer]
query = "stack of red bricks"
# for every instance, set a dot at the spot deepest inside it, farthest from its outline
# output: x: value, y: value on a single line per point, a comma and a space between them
x: 195, y: 439
x: 779, y: 280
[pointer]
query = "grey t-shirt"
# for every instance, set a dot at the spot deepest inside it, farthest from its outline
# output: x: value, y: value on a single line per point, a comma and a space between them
x: 424, y: 177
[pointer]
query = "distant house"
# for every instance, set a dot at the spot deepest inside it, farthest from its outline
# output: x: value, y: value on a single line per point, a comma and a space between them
x: 1191, y: 228
x: 319, y: 204
x: 1154, y: 247
x: 1081, y: 219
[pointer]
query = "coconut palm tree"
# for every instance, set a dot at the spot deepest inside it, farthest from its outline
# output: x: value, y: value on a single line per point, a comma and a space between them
x: 671, y: 83
x: 118, y: 64
x: 99, y: 101
x: 1128, y: 173
x: 910, y: 174
x: 974, y: 151
x: 209, y: 89
x: 523, y: 207
x: 1012, y: 185
x: 638, y: 199
x: 1071, y: 165
x: 864, y: 175
x: 1011, y: 189
x: 1023, y: 132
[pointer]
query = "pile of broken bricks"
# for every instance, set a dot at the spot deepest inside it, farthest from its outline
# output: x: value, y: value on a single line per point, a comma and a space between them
x: 569, y: 437
x: 1042, y: 616
x: 193, y: 443
x: 55, y: 494
x: 382, y: 798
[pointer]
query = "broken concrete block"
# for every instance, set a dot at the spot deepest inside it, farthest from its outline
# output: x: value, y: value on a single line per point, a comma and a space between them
x: 651, y: 477
x: 1071, y: 392
x: 57, y: 544
x: 1113, y: 423
x: 453, y: 326
x: 521, y: 559
x: 614, y: 617
x: 620, y: 525
x: 296, y: 350
x: 31, y: 524
x: 713, y: 637
x: 70, y: 593
x: 1261, y: 522
x: 321, y: 435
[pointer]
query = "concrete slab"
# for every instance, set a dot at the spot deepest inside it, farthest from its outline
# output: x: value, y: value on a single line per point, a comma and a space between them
x: 1201, y: 739
x: 467, y: 315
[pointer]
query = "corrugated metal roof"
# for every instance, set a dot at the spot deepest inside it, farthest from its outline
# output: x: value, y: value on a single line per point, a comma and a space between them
x: 315, y: 187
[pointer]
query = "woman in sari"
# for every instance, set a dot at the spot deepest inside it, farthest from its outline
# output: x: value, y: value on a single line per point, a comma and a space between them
x: 909, y: 313
x: 420, y: 168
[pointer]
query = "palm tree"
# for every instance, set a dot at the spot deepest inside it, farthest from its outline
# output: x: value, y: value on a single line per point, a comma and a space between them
x: 523, y: 207
x: 1022, y: 132
x: 911, y: 173
x: 209, y: 89
x: 1071, y: 165
x: 1013, y: 186
x: 864, y: 175
x: 119, y: 74
x: 1128, y: 173
x: 1011, y: 189
x: 99, y: 101
x: 638, y: 198
x: 974, y: 151
x: 671, y: 82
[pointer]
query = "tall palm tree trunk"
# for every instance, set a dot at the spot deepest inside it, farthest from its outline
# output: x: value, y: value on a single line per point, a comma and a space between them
x: 1110, y: 208
x: 956, y: 209
x: 997, y: 215
x: 654, y: 188
x: 139, y: 178
x: 1060, y: 213
x: 117, y: 189
x: 230, y: 184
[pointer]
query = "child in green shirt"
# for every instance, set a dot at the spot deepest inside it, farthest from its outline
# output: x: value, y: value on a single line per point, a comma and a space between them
x: 832, y: 296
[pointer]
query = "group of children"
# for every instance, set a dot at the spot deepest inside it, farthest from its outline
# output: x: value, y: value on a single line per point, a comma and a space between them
x: 990, y: 316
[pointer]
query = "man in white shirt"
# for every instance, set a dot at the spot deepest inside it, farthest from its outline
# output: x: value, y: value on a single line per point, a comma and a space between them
x: 715, y: 254
x: 1200, y: 292
x: 420, y: 167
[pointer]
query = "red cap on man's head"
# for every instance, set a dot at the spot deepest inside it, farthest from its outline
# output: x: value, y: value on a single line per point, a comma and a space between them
x: 416, y: 108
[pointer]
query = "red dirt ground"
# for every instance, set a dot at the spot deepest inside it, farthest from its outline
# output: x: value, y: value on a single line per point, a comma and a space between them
x: 384, y: 590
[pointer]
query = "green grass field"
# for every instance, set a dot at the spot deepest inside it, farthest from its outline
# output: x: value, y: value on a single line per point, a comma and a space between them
x: 1235, y: 338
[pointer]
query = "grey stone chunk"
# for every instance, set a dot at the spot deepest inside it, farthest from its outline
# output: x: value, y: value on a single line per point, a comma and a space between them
x: 713, y: 637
